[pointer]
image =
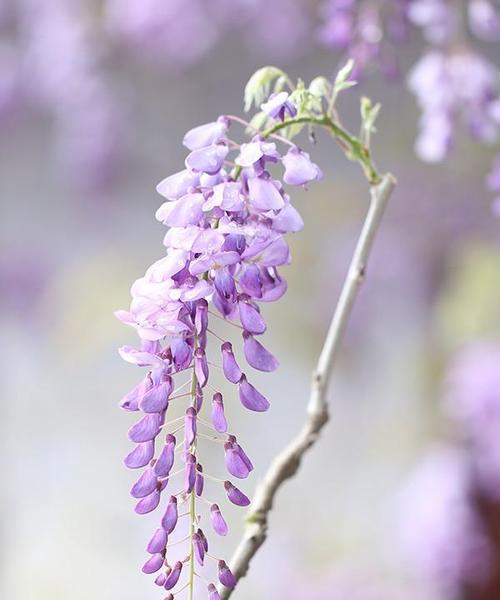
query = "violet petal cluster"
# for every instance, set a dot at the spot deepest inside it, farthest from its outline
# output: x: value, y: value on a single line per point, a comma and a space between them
x: 368, y: 32
x: 473, y: 401
x: 224, y: 248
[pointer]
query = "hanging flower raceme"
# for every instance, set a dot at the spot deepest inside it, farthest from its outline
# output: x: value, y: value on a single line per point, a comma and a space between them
x: 224, y: 246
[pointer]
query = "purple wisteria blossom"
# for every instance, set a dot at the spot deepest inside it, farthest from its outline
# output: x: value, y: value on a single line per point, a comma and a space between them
x: 452, y: 84
x: 224, y: 247
x: 473, y: 401
x: 441, y: 532
x: 366, y: 31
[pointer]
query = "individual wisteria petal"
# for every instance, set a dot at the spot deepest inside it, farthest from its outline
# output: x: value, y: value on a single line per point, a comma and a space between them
x: 278, y: 106
x: 165, y: 460
x: 144, y: 485
x: 201, y: 367
x: 175, y: 186
x: 227, y: 196
x: 156, y: 399
x: 218, y: 417
x: 146, y: 429
x: 153, y: 564
x: 203, y: 539
x: 225, y: 576
x: 257, y: 356
x: 199, y: 550
x: 232, y: 440
x: 130, y: 401
x: 250, y: 317
x: 299, y: 169
x: 252, y: 398
x: 250, y: 281
x: 208, y: 160
x: 235, y: 495
x: 288, y: 220
x: 148, y: 504
x: 256, y: 154
x: 160, y: 580
x: 224, y: 284
x: 213, y: 594
x: 140, y: 456
x: 158, y: 542
x: 205, y: 135
x: 200, y: 481
x: 264, y: 195
x: 185, y: 211
x: 189, y: 473
x: 190, y: 426
x: 201, y: 317
x: 173, y: 577
x: 169, y: 520
x: 234, y: 461
x: 140, y: 358
x: 230, y: 367
x: 218, y: 522
x: 182, y: 353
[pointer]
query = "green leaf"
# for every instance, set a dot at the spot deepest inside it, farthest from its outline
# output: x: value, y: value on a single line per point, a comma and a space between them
x: 320, y: 87
x: 258, y: 86
x: 369, y: 114
x: 345, y: 71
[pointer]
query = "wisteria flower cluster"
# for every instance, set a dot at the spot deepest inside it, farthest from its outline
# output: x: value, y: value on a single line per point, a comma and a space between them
x: 225, y: 245
x: 453, y: 80
x: 450, y: 502
x: 227, y: 214
x: 367, y: 32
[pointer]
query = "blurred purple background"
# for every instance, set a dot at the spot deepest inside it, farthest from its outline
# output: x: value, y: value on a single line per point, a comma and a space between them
x: 400, y: 499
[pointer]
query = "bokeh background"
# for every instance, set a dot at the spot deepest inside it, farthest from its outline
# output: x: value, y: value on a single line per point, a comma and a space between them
x: 394, y: 501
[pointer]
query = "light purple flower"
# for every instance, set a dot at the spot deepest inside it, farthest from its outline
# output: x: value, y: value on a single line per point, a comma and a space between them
x: 165, y: 460
x: 299, y: 169
x: 146, y: 429
x: 250, y: 397
x: 235, y: 495
x: 218, y: 522
x: 145, y: 484
x: 213, y: 594
x: 264, y: 195
x: 232, y: 372
x: 225, y: 576
x: 218, y: 417
x: 140, y: 456
x: 279, y: 106
x: 177, y: 185
x: 169, y: 520
x: 148, y: 503
x: 440, y: 531
x: 153, y: 564
x: 472, y: 399
x: 207, y: 160
x: 158, y: 542
x: 205, y: 135
x: 257, y: 356
x: 223, y: 251
x: 173, y: 578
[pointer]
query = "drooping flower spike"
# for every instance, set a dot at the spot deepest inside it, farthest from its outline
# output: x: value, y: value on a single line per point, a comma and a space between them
x: 227, y: 214
x: 223, y: 250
